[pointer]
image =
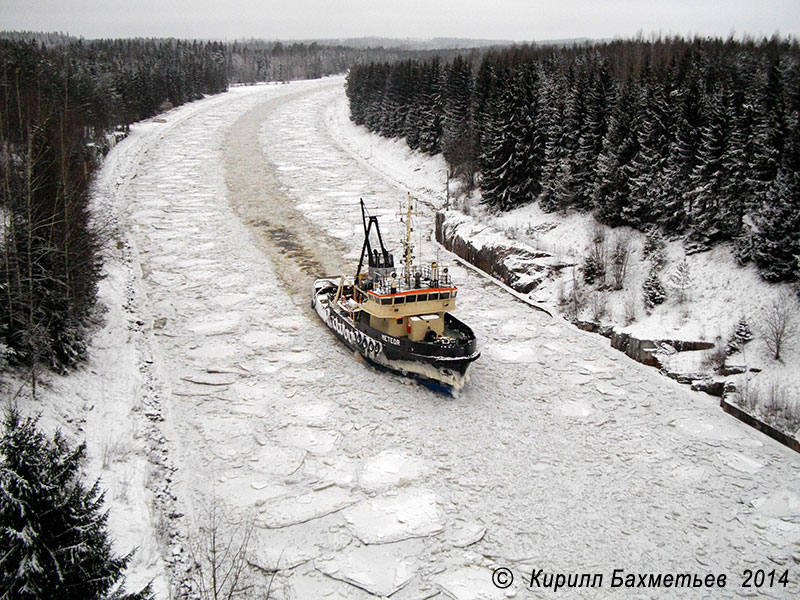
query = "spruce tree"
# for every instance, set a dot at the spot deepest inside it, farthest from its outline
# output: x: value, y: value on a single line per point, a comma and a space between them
x: 651, y: 184
x: 557, y: 193
x: 514, y: 148
x: 54, y: 541
x: 653, y: 247
x: 741, y: 335
x: 483, y: 91
x: 709, y: 175
x: 430, y: 112
x: 742, y: 332
x: 653, y: 291
x: 527, y: 160
x: 576, y: 173
x: 600, y: 97
x: 776, y: 241
x: 613, y: 184
x: 458, y: 146
x: 680, y: 281
x: 683, y: 154
x: 498, y: 147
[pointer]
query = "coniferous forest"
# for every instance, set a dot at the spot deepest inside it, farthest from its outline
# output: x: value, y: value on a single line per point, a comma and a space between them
x: 700, y: 138
x: 63, y: 103
x: 60, y: 108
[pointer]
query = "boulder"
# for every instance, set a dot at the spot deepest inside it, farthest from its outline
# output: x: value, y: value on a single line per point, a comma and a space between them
x: 713, y: 387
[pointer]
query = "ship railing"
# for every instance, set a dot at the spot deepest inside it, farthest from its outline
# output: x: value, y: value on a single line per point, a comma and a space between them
x: 426, y: 274
x: 420, y: 279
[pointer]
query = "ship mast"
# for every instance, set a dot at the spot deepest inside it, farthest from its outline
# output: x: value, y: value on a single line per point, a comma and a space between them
x: 408, y: 248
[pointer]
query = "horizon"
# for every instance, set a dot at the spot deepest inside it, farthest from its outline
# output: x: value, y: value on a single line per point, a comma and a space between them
x: 411, y: 41
x: 511, y: 21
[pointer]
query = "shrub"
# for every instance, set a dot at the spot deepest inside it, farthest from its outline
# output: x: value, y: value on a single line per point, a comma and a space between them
x: 575, y: 299
x: 630, y: 307
x: 220, y: 549
x: 714, y: 359
x: 599, y: 305
x: 619, y: 261
x: 594, y: 267
x: 772, y: 401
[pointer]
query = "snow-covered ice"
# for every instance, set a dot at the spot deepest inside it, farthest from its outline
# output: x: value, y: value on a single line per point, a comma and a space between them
x: 469, y: 583
x: 397, y: 516
x: 381, y: 571
x: 389, y: 468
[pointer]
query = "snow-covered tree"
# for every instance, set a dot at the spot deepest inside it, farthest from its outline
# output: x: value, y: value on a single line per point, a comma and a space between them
x: 742, y: 331
x: 557, y: 193
x: 776, y: 240
x: 429, y: 122
x: 653, y: 292
x: 458, y: 138
x: 612, y: 192
x: 683, y: 153
x: 53, y: 538
x: 706, y: 211
x: 653, y: 248
x: 650, y: 185
x: 600, y: 98
x: 779, y: 324
x: 740, y: 336
x: 594, y: 267
x: 680, y: 281
x: 514, y: 146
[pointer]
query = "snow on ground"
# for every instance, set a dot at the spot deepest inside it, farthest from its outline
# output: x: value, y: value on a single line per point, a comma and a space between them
x: 560, y: 453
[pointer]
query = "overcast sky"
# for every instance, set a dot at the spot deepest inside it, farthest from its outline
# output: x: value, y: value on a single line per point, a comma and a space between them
x: 518, y: 20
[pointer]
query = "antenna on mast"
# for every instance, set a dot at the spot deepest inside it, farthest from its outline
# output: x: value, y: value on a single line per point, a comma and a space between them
x: 408, y: 247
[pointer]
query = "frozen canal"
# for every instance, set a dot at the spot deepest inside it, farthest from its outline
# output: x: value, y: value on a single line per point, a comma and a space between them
x: 560, y: 454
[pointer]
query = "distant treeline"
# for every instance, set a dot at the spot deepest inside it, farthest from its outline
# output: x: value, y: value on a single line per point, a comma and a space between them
x: 699, y: 137
x: 63, y: 101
